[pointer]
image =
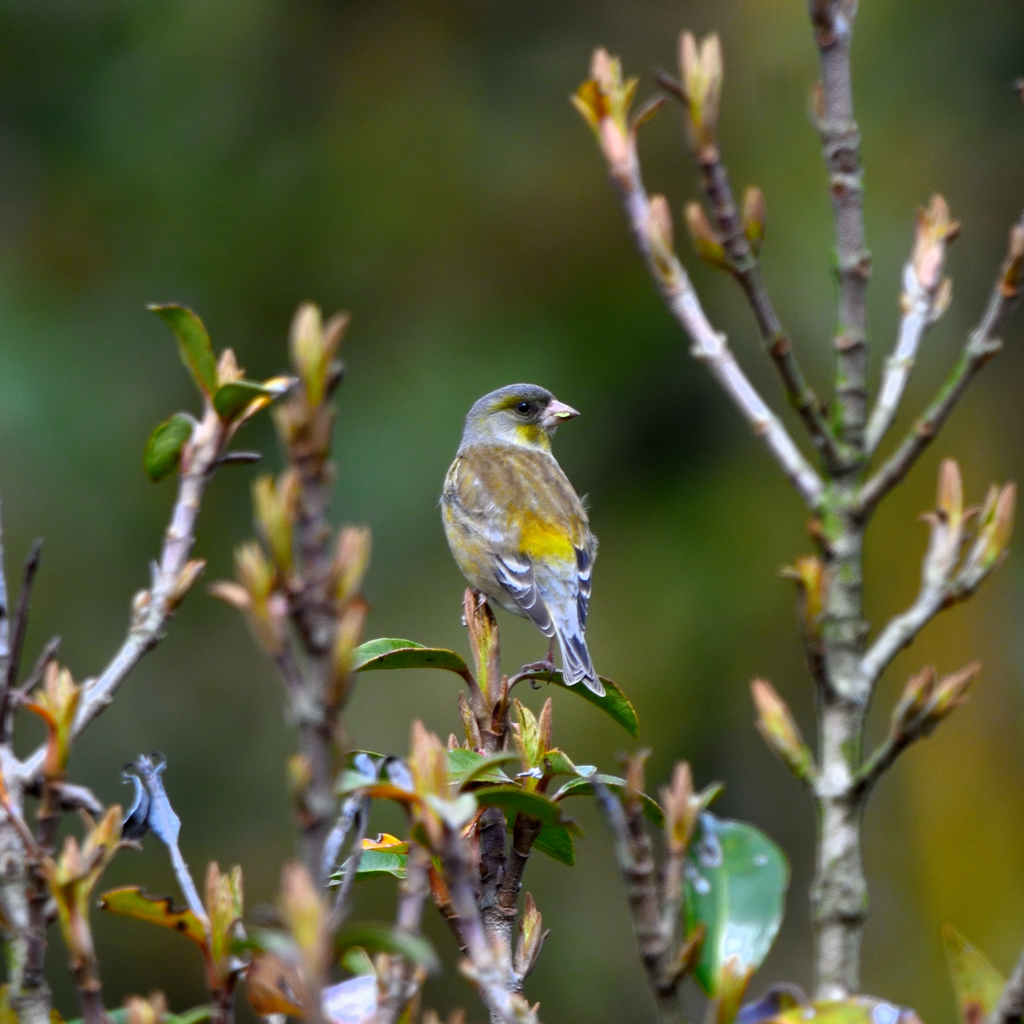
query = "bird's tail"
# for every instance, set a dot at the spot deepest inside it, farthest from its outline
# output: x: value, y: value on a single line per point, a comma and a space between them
x: 576, y: 664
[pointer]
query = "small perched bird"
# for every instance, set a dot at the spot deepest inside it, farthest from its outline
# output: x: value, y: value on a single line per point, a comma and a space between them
x: 516, y: 527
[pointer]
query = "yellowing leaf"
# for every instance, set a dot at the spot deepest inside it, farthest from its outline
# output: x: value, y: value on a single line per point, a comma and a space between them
x: 132, y: 901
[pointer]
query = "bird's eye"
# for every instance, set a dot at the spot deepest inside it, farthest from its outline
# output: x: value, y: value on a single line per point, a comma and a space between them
x: 523, y: 407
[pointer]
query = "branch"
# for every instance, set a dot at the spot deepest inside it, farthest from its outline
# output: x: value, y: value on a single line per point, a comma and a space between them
x: 171, y: 577
x: 709, y: 346
x: 604, y: 101
x: 401, y: 982
x: 745, y: 268
x: 840, y: 138
x: 982, y: 344
x: 926, y: 294
x: 639, y: 874
x: 1010, y: 1008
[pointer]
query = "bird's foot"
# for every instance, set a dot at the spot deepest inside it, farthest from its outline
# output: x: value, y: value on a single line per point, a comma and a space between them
x: 546, y: 666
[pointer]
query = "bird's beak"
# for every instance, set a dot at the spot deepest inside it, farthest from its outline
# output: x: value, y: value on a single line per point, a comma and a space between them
x: 556, y: 412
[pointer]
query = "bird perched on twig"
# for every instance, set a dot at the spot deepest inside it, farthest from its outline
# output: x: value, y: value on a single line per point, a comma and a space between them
x: 516, y: 527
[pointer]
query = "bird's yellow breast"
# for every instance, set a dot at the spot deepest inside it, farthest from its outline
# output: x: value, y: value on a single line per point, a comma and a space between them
x: 542, y: 540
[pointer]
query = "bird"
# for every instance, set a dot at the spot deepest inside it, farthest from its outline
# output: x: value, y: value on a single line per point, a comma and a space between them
x: 515, y: 526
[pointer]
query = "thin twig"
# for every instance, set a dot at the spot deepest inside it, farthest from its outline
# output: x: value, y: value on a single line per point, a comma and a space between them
x: 46, y: 655
x: 147, y: 628
x: 21, y: 612
x: 745, y: 267
x: 900, y: 632
x: 709, y: 346
x: 982, y: 344
x: 400, y: 983
x: 339, y: 911
x: 639, y: 874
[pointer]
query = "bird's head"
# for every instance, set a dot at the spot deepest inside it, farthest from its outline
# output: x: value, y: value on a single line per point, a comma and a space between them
x: 519, y: 414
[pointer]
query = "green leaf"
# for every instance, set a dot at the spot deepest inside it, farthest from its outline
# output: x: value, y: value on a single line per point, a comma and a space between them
x: 556, y: 842
x: 736, y: 887
x: 383, y: 938
x: 163, y: 449
x: 193, y: 344
x: 515, y: 800
x: 978, y: 985
x: 614, y: 702
x: 389, y: 653
x: 236, y: 396
x: 555, y: 762
x: 466, y: 766
x: 581, y: 787
x: 132, y: 901
x: 377, y: 864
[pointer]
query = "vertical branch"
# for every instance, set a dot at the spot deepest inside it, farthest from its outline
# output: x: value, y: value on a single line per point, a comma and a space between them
x: 833, y: 24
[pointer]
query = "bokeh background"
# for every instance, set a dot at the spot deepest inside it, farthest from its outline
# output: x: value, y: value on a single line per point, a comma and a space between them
x: 418, y: 164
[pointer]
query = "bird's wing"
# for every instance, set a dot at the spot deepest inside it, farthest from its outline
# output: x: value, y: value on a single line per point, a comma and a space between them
x: 516, y: 575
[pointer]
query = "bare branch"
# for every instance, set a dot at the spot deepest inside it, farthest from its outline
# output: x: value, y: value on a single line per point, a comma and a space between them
x: 639, y: 873
x: 709, y: 346
x: 840, y: 137
x: 21, y: 612
x: 604, y: 102
x: 901, y: 631
x: 154, y: 607
x: 926, y: 295
x: 982, y: 344
x: 745, y: 267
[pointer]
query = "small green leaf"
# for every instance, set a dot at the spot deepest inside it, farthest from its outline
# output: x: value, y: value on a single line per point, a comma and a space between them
x: 383, y: 938
x: 132, y: 901
x: 520, y: 801
x: 554, y: 762
x: 163, y: 449
x: 977, y: 983
x: 466, y: 766
x: 581, y: 787
x: 389, y: 653
x: 235, y: 397
x: 614, y: 702
x: 556, y: 842
x: 376, y: 864
x: 193, y: 344
x: 736, y: 887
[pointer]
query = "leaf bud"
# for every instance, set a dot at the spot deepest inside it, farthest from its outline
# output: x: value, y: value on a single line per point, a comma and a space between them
x: 808, y: 573
x: 146, y: 1011
x: 682, y: 808
x: 776, y: 725
x: 907, y: 715
x: 351, y: 559
x: 754, y: 216
x: 935, y: 230
x: 1009, y: 284
x: 701, y: 75
x: 949, y: 693
x: 705, y: 239
x: 604, y: 101
x: 633, y: 766
x: 276, y: 507
x: 531, y: 938
x: 545, y: 740
x: 186, y: 580
x: 995, y: 526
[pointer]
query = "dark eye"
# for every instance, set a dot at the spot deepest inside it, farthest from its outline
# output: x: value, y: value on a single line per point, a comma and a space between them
x: 524, y: 407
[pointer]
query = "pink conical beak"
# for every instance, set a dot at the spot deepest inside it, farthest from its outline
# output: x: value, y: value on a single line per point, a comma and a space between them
x: 556, y: 412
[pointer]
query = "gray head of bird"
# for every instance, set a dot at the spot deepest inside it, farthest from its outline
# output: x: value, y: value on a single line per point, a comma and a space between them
x: 518, y: 414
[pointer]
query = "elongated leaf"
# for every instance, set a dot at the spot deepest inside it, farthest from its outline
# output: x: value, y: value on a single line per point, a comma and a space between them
x: 390, y: 653
x: 132, y: 901
x: 614, y: 702
x: 466, y: 766
x: 977, y: 983
x: 582, y: 787
x: 383, y: 938
x: 736, y: 887
x: 514, y: 800
x: 234, y: 397
x: 163, y: 449
x: 193, y: 344
x: 556, y: 842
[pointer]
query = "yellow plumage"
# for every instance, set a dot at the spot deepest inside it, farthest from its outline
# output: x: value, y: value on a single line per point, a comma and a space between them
x: 515, y: 526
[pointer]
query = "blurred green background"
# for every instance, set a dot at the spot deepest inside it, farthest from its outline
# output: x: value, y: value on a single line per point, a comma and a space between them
x: 418, y: 164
